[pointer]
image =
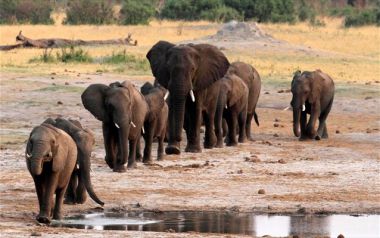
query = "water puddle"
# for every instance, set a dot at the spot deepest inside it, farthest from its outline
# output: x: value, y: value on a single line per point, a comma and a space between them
x: 230, y: 223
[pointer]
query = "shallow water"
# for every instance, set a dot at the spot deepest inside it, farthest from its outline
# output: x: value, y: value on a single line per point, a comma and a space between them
x: 230, y: 223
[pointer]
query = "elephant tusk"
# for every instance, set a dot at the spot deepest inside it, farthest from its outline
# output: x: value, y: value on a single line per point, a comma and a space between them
x: 303, y: 107
x: 286, y: 108
x: 143, y: 131
x: 133, y: 124
x: 28, y: 156
x: 166, y: 95
x: 117, y: 125
x: 50, y: 154
x: 192, y: 95
x: 226, y: 106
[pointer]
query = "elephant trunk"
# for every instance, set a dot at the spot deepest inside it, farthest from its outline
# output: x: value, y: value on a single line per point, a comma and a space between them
x: 296, y: 121
x: 123, y: 142
x: 36, y: 166
x: 85, y: 167
x: 176, y: 120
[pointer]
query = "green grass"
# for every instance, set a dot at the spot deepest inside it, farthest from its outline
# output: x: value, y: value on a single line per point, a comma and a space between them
x: 130, y: 61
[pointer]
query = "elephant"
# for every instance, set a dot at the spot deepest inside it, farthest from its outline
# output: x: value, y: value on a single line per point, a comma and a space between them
x: 313, y: 93
x: 188, y: 71
x: 156, y: 120
x: 80, y: 182
x: 253, y: 81
x: 122, y: 110
x: 232, y: 105
x: 51, y: 155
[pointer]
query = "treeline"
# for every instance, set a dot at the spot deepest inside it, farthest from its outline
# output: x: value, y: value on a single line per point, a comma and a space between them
x: 141, y: 11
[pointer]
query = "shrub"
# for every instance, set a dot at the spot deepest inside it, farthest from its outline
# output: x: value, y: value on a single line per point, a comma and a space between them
x: 25, y: 11
x: 89, y: 12
x: 179, y: 9
x: 45, y: 57
x: 364, y: 17
x: 221, y: 14
x: 137, y: 12
x: 305, y: 12
x: 131, y: 61
x: 73, y: 54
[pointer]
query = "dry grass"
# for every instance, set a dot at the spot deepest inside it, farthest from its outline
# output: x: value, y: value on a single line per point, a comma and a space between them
x: 355, y: 54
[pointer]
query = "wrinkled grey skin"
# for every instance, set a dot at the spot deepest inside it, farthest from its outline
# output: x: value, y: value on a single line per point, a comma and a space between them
x: 183, y: 69
x: 51, y: 155
x: 253, y: 81
x: 80, y: 182
x: 315, y: 90
x: 155, y: 121
x: 232, y: 106
x: 122, y: 109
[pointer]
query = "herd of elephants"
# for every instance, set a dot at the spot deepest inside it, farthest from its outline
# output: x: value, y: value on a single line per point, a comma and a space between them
x: 195, y: 84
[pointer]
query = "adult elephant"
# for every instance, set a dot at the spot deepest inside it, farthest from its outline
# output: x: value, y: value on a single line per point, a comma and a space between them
x: 122, y: 109
x: 253, y: 81
x: 187, y: 71
x: 80, y: 182
x: 313, y: 93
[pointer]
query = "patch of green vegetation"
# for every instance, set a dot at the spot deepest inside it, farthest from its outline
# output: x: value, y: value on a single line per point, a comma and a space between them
x: 356, y: 90
x: 130, y: 61
x: 45, y: 57
x: 73, y: 54
x: 61, y: 88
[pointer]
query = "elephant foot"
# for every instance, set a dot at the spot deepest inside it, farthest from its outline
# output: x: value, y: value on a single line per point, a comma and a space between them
x: 193, y: 149
x: 109, y: 163
x: 57, y: 216
x: 317, y: 137
x: 138, y: 157
x: 119, y: 169
x: 208, y: 145
x: 43, y: 219
x: 172, y: 150
x: 219, y: 144
x: 82, y: 198
x: 160, y: 157
x: 147, y: 161
x: 69, y: 201
x: 132, y: 165
x: 304, y: 138
x: 231, y: 144
x: 242, y: 140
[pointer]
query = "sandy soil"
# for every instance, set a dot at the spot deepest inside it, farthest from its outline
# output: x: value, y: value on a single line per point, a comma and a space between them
x: 338, y: 175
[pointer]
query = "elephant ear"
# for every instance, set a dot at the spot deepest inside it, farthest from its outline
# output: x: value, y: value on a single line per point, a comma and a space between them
x: 157, y: 59
x: 296, y: 75
x: 238, y: 89
x: 93, y: 99
x: 211, y: 65
x: 315, y: 82
x: 59, y: 151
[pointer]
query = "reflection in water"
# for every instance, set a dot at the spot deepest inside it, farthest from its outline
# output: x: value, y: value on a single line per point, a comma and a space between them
x: 230, y: 223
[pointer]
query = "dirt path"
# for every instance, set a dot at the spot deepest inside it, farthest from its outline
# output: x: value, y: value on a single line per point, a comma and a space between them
x: 339, y: 175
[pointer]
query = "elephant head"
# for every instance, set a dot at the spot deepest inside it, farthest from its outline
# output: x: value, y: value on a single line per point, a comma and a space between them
x: 305, y: 92
x: 43, y: 146
x: 112, y: 105
x: 183, y: 69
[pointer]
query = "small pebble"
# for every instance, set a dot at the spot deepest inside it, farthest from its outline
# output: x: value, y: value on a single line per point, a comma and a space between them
x: 281, y: 161
x: 337, y: 131
x: 240, y: 171
x: 266, y: 93
x: 66, y: 83
x: 367, y: 98
x: 261, y: 191
x: 276, y: 125
x: 276, y: 120
x: 276, y: 135
x: 34, y: 233
x: 59, y: 103
x: 280, y: 91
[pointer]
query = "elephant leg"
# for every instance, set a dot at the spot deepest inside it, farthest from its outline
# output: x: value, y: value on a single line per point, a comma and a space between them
x: 314, y: 115
x: 110, y: 142
x: 59, y: 194
x: 232, y: 122
x: 149, y: 130
x: 219, y: 130
x: 210, y: 138
x: 242, y: 122
x: 248, y: 126
x: 70, y: 196
x: 50, y: 185
x: 39, y: 184
x: 138, y: 150
x: 322, y: 129
x: 303, y: 126
x: 132, y: 154
x: 81, y: 192
x: 193, y: 132
x: 160, y: 148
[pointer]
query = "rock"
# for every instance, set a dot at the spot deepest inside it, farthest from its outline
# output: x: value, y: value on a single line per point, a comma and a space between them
x: 66, y: 83
x: 275, y: 135
x: 252, y: 159
x: 368, y: 83
x: 281, y: 161
x: 368, y: 130
x: 53, y: 73
x: 377, y: 81
x: 276, y: 125
x: 35, y: 233
x: 52, y: 77
x: 59, y: 103
x: 280, y: 91
x: 53, y: 84
x: 240, y: 171
x: 337, y: 131
x: 261, y: 191
x: 276, y: 120
x: 266, y: 93
x: 367, y: 98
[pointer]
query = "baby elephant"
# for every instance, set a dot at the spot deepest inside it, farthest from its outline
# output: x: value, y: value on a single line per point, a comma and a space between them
x: 155, y: 120
x: 313, y: 93
x: 51, y: 155
x: 232, y: 105
x: 80, y: 182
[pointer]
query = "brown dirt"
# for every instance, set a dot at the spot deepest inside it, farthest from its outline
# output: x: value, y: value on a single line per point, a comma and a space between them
x: 338, y: 175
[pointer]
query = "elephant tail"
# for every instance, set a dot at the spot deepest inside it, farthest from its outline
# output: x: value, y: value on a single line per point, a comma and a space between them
x: 256, y: 118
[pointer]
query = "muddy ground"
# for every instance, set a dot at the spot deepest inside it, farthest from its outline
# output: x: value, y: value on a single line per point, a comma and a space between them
x: 338, y: 175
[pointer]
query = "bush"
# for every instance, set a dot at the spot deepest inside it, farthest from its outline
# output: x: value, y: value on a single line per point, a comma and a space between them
x: 73, y: 54
x: 221, y: 14
x: 130, y: 61
x: 364, y: 17
x: 89, y: 12
x: 306, y: 12
x: 137, y: 12
x: 179, y: 9
x: 45, y: 57
x: 25, y: 11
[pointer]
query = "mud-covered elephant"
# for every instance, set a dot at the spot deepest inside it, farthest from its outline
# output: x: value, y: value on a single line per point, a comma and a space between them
x: 156, y: 120
x: 313, y: 93
x: 253, y: 81
x: 122, y: 109
x: 232, y: 105
x: 187, y: 71
x: 80, y: 182
x: 51, y: 155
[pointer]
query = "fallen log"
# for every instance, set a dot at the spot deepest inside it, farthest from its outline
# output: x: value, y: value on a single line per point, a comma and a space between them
x: 59, y: 42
